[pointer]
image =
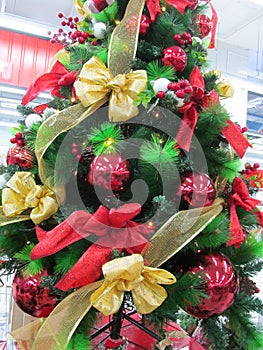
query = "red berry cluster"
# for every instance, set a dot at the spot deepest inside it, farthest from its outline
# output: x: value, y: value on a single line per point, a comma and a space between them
x: 183, y: 39
x: 181, y: 88
x: 18, y: 139
x: 244, y: 129
x: 250, y: 168
x: 73, y: 35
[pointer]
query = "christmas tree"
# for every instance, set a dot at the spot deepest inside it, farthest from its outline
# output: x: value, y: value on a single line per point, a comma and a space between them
x: 128, y: 217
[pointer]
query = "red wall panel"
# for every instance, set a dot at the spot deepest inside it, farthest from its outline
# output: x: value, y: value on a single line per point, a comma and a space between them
x: 23, y: 58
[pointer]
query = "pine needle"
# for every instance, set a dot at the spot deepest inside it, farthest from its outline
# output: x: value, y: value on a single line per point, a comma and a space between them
x: 105, y: 139
x: 156, y: 70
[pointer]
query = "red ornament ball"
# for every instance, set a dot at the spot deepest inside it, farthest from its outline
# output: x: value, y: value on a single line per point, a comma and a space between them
x: 197, y: 190
x: 221, y: 286
x: 109, y: 172
x: 21, y: 156
x: 144, y: 24
x: 204, y: 24
x: 176, y: 57
x: 32, y: 298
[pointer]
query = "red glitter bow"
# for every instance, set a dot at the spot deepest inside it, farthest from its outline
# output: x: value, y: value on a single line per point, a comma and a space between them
x: 113, y: 228
x: 240, y: 198
x: 57, y: 77
x: 189, y: 109
x: 236, y: 138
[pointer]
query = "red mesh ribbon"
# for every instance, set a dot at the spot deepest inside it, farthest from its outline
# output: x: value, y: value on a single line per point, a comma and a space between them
x: 113, y: 228
x: 235, y: 138
x: 57, y: 77
x: 240, y: 198
x: 189, y: 109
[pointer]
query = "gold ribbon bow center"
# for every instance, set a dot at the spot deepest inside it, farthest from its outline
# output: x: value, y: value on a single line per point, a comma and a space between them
x: 96, y: 82
x: 128, y: 274
x: 22, y: 193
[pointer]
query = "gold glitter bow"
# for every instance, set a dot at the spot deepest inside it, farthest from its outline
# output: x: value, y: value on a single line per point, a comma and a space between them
x: 22, y: 193
x: 96, y: 81
x: 130, y: 274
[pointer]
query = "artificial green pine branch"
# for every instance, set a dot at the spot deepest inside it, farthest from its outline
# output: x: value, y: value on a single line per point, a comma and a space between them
x: 163, y: 29
x: 215, y: 330
x: 156, y: 70
x: 249, y: 250
x: 106, y: 139
x: 29, y: 267
x: 242, y: 327
x: 213, y: 236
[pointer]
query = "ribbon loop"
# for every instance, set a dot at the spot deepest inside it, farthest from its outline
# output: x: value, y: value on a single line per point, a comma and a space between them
x: 129, y: 274
x: 22, y: 193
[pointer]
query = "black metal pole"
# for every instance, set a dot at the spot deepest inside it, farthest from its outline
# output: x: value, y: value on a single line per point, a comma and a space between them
x: 116, y: 324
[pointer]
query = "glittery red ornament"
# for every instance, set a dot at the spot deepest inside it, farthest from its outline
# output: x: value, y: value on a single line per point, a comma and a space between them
x: 221, y: 286
x: 144, y: 24
x: 176, y: 57
x: 204, y: 24
x: 110, y: 172
x: 31, y: 298
x: 21, y: 156
x: 197, y: 190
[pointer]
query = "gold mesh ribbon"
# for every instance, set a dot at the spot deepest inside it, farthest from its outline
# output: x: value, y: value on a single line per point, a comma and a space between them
x: 23, y: 193
x: 178, y: 231
x: 55, y: 332
x: 124, y: 39
x: 130, y: 274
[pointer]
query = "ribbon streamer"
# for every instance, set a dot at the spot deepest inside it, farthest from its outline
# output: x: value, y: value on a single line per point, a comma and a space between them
x: 190, y: 109
x: 236, y: 138
x: 22, y: 193
x: 124, y: 39
x: 130, y: 274
x: 240, y: 198
x: 178, y: 231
